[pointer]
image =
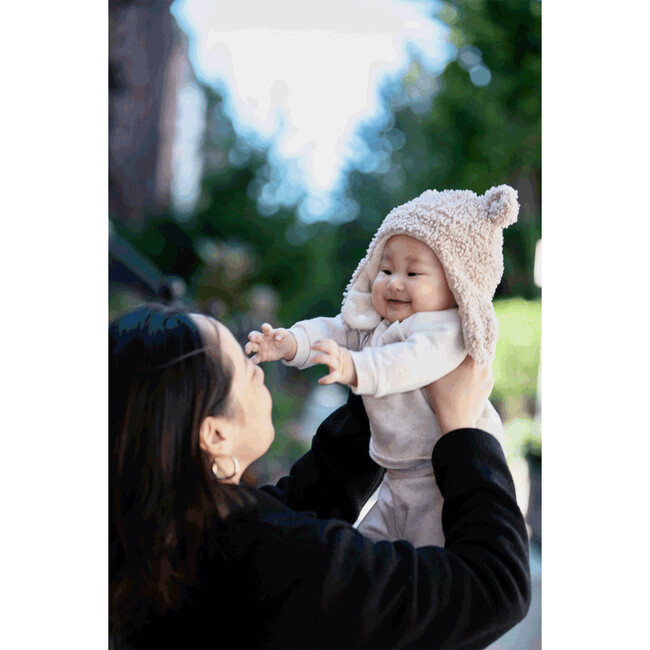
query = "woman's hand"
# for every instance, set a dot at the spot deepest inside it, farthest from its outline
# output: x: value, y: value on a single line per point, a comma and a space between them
x: 458, y: 399
x: 271, y: 344
x: 339, y: 361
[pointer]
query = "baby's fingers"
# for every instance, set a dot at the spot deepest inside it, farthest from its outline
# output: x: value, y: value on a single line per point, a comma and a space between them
x: 259, y: 354
x: 327, y: 352
x: 251, y: 346
x: 280, y: 334
x: 332, y: 378
x: 326, y: 359
x: 326, y: 345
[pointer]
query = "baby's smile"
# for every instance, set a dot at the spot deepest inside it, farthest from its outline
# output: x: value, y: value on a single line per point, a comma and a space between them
x: 410, y: 280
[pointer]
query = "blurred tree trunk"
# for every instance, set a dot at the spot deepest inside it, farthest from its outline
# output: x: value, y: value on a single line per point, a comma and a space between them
x: 141, y: 38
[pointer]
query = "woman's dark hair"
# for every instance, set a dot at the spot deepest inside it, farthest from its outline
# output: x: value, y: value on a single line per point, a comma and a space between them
x: 163, y: 381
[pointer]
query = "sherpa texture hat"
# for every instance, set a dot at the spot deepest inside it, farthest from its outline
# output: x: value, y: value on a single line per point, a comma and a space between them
x: 465, y: 232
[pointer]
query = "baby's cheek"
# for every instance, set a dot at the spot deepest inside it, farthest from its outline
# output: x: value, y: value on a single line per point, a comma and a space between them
x: 377, y: 291
x: 427, y: 297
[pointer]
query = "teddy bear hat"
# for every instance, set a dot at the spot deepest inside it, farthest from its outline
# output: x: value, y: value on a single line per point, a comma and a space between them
x: 465, y: 231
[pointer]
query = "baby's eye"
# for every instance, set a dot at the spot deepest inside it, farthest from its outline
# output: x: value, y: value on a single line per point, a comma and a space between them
x: 386, y: 271
x: 412, y: 273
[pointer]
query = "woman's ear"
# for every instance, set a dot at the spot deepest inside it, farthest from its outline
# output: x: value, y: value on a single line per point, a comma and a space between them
x: 216, y: 436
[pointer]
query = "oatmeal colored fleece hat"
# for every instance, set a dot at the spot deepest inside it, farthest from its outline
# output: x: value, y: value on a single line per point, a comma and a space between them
x: 465, y: 232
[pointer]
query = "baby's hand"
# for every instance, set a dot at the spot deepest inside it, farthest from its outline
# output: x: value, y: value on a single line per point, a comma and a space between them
x: 339, y: 361
x: 271, y: 344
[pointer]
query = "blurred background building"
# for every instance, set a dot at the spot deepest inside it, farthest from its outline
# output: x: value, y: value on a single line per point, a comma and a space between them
x: 249, y: 185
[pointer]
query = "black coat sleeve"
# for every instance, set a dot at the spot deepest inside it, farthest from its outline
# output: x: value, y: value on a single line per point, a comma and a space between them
x: 336, y: 476
x: 476, y: 588
x: 339, y: 590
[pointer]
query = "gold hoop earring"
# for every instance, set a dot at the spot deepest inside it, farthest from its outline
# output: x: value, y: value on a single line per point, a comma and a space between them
x: 220, y: 477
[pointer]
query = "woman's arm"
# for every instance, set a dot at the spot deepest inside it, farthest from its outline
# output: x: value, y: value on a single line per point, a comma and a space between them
x: 336, y: 476
x: 334, y: 588
x: 465, y: 595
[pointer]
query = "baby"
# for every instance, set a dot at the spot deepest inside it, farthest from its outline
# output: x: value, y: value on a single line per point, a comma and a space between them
x: 418, y: 303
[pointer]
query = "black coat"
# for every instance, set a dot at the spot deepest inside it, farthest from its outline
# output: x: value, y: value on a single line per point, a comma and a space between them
x: 295, y: 574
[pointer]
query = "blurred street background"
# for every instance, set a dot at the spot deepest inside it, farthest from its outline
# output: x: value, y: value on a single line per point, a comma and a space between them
x: 255, y: 147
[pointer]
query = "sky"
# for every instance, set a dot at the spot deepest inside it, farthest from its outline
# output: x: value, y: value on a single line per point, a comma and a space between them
x: 299, y: 77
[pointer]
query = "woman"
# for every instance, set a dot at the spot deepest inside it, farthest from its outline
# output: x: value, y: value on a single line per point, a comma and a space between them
x: 199, y: 561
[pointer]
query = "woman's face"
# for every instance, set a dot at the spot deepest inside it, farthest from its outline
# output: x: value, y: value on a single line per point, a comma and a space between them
x: 251, y: 422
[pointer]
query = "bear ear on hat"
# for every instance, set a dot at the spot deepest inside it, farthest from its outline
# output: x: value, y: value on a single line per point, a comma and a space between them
x: 501, y: 205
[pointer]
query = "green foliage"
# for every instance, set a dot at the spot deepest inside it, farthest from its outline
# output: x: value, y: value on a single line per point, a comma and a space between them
x: 516, y: 374
x: 449, y: 132
x: 287, y: 447
x: 516, y: 365
x: 123, y: 300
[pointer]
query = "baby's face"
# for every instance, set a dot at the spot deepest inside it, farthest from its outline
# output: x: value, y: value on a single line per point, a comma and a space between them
x: 410, y: 280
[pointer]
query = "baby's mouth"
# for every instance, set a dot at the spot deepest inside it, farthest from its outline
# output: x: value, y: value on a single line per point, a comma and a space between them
x: 398, y: 302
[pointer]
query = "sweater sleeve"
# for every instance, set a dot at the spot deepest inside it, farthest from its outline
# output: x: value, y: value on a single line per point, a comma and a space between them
x: 309, y: 331
x: 426, y: 355
x: 336, y: 476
